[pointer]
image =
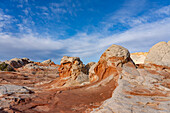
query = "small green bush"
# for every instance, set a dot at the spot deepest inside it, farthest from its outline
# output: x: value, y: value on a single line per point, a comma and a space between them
x: 6, y: 67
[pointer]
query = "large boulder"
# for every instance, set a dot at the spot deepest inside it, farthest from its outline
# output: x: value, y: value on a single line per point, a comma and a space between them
x: 159, y: 54
x: 73, y: 69
x: 115, y: 56
x: 18, y: 62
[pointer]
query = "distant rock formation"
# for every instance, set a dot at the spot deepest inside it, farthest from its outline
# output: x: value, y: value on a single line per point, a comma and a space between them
x: 138, y: 57
x: 159, y: 54
x: 89, y: 65
x: 18, y: 62
x: 73, y: 69
x: 47, y: 61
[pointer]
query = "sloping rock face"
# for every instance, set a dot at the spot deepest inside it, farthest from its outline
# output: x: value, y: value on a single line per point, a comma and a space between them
x: 138, y: 57
x: 115, y: 56
x: 18, y: 62
x: 159, y: 54
x: 144, y: 89
x: 73, y: 69
x: 10, y: 89
x: 12, y: 94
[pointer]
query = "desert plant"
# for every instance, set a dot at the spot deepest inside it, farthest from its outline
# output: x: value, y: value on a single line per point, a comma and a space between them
x: 6, y: 67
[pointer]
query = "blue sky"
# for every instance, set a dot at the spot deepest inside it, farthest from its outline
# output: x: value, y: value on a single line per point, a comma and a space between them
x: 50, y: 29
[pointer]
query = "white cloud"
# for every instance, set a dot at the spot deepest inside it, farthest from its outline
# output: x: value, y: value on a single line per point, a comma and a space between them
x: 26, y: 11
x: 5, y: 20
x: 165, y: 10
x: 144, y: 32
x: 42, y: 8
x: 139, y: 38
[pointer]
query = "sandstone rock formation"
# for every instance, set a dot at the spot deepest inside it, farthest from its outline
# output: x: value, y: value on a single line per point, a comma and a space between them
x: 11, y: 94
x: 115, y: 56
x: 159, y: 54
x: 10, y: 89
x: 89, y: 65
x: 73, y: 69
x: 114, y: 85
x: 18, y: 62
x: 139, y: 90
x: 138, y: 57
x: 47, y: 61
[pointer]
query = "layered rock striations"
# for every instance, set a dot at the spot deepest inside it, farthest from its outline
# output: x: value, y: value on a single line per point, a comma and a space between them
x: 73, y: 69
x: 115, y: 84
x: 144, y: 89
x: 115, y: 56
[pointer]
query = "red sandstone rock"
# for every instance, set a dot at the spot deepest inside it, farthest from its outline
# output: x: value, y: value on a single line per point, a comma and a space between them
x: 117, y: 85
x: 115, y: 56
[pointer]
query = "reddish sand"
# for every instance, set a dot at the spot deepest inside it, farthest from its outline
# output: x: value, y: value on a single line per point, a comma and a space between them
x: 75, y: 100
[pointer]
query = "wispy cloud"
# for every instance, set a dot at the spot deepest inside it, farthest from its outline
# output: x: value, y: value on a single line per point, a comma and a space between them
x: 143, y: 31
x: 163, y: 11
x: 5, y: 20
x: 136, y: 39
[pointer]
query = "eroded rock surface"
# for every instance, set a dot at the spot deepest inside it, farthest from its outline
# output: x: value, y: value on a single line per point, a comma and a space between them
x: 12, y: 94
x: 115, y: 56
x: 10, y: 89
x: 140, y: 90
x: 115, y: 84
x: 18, y: 62
x: 159, y: 54
x: 47, y: 61
x: 73, y: 70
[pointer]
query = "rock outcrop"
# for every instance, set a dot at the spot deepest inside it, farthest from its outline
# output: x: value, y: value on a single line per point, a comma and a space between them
x: 115, y: 84
x: 139, y: 90
x: 73, y: 69
x: 89, y: 65
x: 12, y: 94
x: 11, y: 89
x: 47, y: 61
x: 18, y: 62
x: 138, y: 57
x: 115, y: 56
x: 159, y: 54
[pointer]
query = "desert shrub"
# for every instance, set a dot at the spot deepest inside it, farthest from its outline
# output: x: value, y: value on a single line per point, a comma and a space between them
x: 6, y: 67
